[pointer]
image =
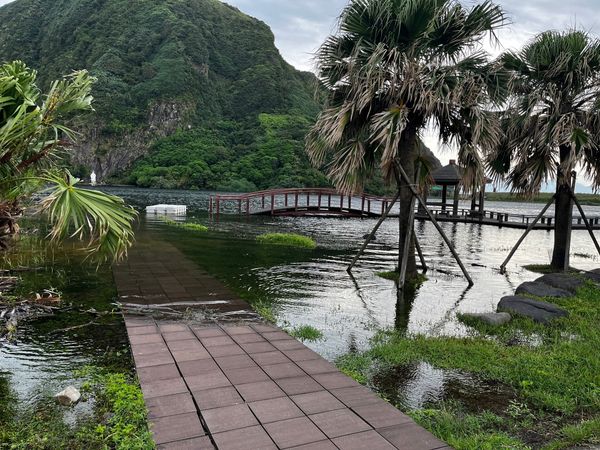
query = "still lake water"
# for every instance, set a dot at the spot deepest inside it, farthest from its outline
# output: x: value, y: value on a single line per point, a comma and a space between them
x: 307, y: 287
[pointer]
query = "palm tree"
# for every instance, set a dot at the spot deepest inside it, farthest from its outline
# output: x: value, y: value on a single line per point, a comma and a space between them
x: 32, y: 135
x: 552, y: 124
x: 393, y: 68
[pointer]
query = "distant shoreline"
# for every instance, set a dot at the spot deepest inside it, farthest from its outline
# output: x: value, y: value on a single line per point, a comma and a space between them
x: 584, y: 199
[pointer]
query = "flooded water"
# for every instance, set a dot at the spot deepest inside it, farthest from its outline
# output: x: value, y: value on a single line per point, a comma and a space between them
x: 313, y: 287
x: 307, y: 287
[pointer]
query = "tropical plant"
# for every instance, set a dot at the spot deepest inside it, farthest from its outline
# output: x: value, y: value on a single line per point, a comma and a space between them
x: 33, y: 133
x: 552, y: 124
x: 393, y: 68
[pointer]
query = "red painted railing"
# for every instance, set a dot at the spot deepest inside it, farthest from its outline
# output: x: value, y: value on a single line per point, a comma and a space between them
x: 302, y: 201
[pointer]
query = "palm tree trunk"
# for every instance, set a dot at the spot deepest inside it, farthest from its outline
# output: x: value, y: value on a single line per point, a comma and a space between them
x: 563, y: 218
x: 407, y: 156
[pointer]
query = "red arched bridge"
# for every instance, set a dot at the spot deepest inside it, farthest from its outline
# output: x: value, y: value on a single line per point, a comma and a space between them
x: 329, y: 202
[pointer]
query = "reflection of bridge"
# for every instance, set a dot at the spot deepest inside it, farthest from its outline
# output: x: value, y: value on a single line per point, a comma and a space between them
x: 329, y: 202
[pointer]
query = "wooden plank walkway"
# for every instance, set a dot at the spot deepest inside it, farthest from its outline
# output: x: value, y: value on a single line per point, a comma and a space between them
x: 244, y: 385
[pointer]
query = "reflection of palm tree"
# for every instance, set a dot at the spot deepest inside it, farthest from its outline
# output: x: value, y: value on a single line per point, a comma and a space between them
x: 393, y: 68
x: 553, y: 121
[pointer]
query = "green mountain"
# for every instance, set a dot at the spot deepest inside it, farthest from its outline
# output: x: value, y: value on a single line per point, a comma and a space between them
x: 190, y: 93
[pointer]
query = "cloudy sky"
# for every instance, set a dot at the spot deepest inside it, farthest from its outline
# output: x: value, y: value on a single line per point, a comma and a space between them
x: 301, y: 25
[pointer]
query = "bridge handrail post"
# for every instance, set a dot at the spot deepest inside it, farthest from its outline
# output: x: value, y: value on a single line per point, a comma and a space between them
x: 296, y: 202
x: 272, y: 204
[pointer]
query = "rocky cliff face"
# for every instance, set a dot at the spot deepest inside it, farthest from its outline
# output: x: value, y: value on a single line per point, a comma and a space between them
x: 107, y: 155
x: 161, y: 66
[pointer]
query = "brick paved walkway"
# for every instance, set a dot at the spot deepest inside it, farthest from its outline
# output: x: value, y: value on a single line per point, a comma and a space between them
x: 247, y: 386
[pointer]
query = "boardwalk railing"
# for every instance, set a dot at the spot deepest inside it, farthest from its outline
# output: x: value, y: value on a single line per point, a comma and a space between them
x: 316, y: 201
x: 304, y: 201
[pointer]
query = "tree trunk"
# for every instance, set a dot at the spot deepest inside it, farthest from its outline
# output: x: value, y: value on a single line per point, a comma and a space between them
x: 407, y: 157
x: 563, y: 218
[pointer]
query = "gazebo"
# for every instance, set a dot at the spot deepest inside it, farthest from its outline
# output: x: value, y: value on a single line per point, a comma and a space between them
x: 451, y: 176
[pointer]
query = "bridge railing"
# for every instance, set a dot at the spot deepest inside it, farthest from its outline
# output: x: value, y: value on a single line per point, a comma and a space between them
x: 303, y: 200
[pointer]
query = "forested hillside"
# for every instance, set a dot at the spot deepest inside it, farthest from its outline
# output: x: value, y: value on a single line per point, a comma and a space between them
x: 190, y: 93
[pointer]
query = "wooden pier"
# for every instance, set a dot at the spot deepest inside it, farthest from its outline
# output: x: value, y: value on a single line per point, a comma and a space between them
x: 329, y: 202
x: 232, y: 382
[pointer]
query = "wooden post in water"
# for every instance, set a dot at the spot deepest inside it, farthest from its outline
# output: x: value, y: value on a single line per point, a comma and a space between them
x: 296, y: 202
x: 436, y: 224
x: 272, y: 204
x: 529, y: 228
x: 583, y: 216
x: 420, y: 252
x: 341, y: 202
x: 372, y: 234
x: 248, y: 206
x: 319, y: 204
x: 263, y: 201
x: 286, y: 200
x: 362, y: 205
x: 240, y: 206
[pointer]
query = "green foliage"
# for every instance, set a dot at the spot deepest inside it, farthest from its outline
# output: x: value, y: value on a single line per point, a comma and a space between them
x: 186, y: 226
x: 119, y: 419
x: 287, y: 239
x: 554, y: 370
x: 264, y: 309
x: 231, y: 156
x: 307, y: 333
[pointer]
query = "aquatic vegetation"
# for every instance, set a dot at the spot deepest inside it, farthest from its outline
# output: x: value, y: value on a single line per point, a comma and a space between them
x: 306, y: 333
x: 556, y: 381
x: 288, y: 239
x: 185, y: 225
x: 264, y: 309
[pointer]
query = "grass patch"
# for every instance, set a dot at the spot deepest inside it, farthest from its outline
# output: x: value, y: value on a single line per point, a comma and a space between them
x: 287, y: 239
x: 558, y: 381
x: 119, y: 420
x: 264, y: 309
x: 306, y: 333
x: 185, y: 225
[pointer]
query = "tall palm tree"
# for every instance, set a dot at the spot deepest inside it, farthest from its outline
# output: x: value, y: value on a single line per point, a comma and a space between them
x: 552, y: 124
x: 33, y: 133
x: 393, y: 68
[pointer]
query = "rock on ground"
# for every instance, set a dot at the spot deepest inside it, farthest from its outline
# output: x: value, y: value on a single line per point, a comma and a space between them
x: 593, y: 276
x: 491, y: 318
x: 541, y: 312
x: 541, y: 290
x: 68, y: 397
x: 562, y: 281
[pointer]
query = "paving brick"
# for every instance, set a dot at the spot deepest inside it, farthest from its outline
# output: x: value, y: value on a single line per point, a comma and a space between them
x: 215, y: 341
x: 277, y: 336
x: 170, y: 405
x: 270, y: 358
x: 264, y: 328
x: 245, y: 439
x: 302, y: 354
x: 148, y: 349
x: 410, y: 436
x: 179, y: 336
x: 261, y: 390
x: 157, y: 373
x: 294, y: 432
x: 239, y: 330
x: 381, y: 415
x: 172, y: 327
x: 145, y: 338
x: 274, y: 410
x: 317, y: 366
x: 162, y: 388
x: 190, y: 355
x: 228, y: 418
x: 257, y: 347
x: 299, y: 385
x: 317, y: 402
x: 225, y: 350
x: 248, y: 338
x: 208, y: 380
x: 217, y: 398
x: 335, y: 380
x: 155, y: 359
x: 355, y: 396
x: 360, y: 441
x: 148, y: 329
x: 203, y: 332
x: 235, y: 362
x: 176, y: 428
x: 197, y: 367
x: 285, y: 370
x: 245, y: 375
x: 189, y: 345
x: 201, y: 443
x: 321, y: 445
x: 288, y: 344
x: 339, y: 422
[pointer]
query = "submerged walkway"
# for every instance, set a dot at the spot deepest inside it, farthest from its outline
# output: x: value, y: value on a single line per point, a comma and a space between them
x: 243, y: 385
